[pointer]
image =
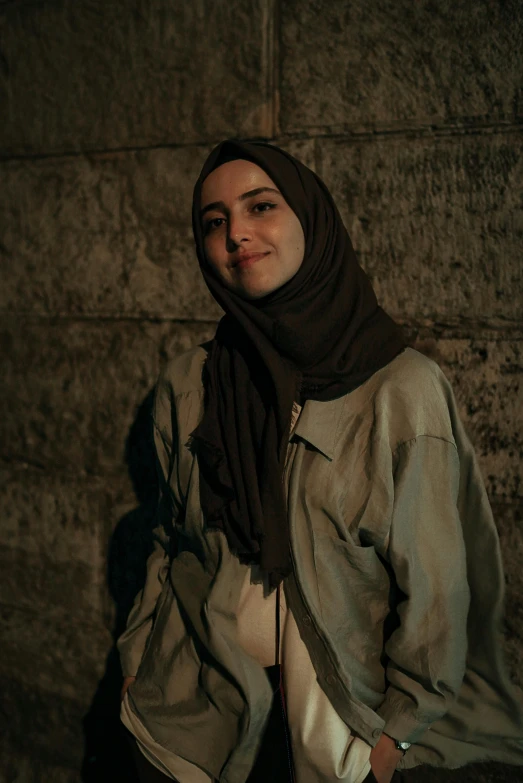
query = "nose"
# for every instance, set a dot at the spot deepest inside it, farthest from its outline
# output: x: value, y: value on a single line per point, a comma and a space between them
x: 238, y: 231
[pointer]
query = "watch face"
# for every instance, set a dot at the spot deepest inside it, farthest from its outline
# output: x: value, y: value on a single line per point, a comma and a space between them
x: 403, y: 745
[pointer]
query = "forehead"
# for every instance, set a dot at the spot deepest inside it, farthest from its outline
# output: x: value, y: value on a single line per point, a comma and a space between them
x: 233, y: 178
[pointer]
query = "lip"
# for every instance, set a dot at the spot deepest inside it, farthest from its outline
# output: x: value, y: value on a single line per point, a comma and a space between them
x: 246, y: 259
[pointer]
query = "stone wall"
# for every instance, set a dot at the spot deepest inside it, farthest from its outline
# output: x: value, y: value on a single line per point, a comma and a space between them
x: 411, y: 112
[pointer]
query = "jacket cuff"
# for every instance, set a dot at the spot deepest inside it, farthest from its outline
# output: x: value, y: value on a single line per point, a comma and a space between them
x: 401, y: 725
x: 130, y: 664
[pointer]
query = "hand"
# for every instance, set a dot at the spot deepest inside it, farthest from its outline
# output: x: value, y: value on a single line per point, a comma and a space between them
x: 384, y: 758
x: 126, y: 682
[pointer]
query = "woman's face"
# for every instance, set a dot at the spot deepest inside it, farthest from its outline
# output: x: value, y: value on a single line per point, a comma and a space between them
x: 253, y: 240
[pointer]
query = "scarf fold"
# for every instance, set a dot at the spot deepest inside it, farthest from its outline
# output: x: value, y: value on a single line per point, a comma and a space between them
x: 319, y: 336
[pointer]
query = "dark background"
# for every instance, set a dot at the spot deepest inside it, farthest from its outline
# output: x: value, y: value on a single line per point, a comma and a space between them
x: 412, y: 113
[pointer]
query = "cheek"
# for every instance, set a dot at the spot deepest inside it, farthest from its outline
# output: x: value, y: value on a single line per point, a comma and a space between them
x: 298, y: 245
x: 211, y: 248
x: 286, y: 235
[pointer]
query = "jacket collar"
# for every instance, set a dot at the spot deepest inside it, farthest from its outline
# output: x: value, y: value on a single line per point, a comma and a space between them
x: 318, y: 424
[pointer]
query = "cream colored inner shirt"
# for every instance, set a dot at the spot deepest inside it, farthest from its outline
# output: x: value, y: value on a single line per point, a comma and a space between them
x: 324, y: 750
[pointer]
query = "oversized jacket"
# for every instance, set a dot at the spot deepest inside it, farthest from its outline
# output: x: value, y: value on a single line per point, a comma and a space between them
x: 397, y: 582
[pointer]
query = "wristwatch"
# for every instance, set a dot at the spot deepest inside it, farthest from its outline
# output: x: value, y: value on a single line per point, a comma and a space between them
x: 403, y: 746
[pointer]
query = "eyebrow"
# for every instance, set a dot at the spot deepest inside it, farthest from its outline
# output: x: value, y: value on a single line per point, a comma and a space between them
x: 249, y: 194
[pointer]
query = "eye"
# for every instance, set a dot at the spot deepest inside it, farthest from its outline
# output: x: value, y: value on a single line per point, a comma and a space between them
x: 210, y: 225
x: 263, y: 206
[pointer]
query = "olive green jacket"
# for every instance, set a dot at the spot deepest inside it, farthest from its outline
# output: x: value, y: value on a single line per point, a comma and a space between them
x: 397, y: 583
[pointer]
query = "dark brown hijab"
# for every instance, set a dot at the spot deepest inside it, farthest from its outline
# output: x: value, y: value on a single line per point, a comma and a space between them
x: 319, y: 336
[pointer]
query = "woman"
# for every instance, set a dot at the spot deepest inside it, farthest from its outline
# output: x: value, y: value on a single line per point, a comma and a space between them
x: 315, y: 609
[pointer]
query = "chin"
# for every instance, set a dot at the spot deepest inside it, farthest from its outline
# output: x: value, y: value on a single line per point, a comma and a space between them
x: 257, y: 294
x: 257, y: 289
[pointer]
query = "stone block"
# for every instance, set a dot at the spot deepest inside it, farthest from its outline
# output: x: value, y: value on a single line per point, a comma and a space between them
x: 161, y: 273
x: 87, y: 74
x: 102, y: 236
x: 62, y: 240
x: 486, y: 376
x: 42, y: 516
x: 24, y: 768
x: 47, y: 720
x: 74, y: 388
x: 436, y: 223
x: 509, y: 520
x: 45, y: 754
x: 54, y: 543
x: 73, y: 553
x: 52, y: 651
x: 47, y: 728
x: 348, y: 66
x: 37, y: 582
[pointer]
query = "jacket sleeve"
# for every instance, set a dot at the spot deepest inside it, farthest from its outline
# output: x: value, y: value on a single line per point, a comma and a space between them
x: 426, y: 652
x: 132, y: 642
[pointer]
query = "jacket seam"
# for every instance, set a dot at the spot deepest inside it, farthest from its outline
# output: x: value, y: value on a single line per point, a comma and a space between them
x: 423, y: 435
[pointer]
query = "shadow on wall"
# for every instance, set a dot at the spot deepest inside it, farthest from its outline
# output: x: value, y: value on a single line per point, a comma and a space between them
x: 107, y: 757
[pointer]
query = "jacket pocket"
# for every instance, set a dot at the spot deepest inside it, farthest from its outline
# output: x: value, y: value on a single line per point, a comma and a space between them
x: 352, y: 562
x: 353, y: 585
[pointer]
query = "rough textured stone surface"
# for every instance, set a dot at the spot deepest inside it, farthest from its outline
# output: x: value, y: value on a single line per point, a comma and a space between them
x: 162, y: 275
x: 18, y: 768
x: 347, y: 65
x: 106, y: 235
x: 73, y: 389
x: 73, y: 557
x: 51, y: 647
x: 135, y: 73
x: 47, y: 725
x: 62, y: 244
x: 436, y: 223
x: 53, y: 542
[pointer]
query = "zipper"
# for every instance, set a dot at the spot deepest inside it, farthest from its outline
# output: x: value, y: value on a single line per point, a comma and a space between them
x: 281, y: 688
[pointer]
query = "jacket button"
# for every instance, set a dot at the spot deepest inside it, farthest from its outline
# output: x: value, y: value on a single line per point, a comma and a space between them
x: 376, y: 733
x: 331, y: 679
x: 306, y: 620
